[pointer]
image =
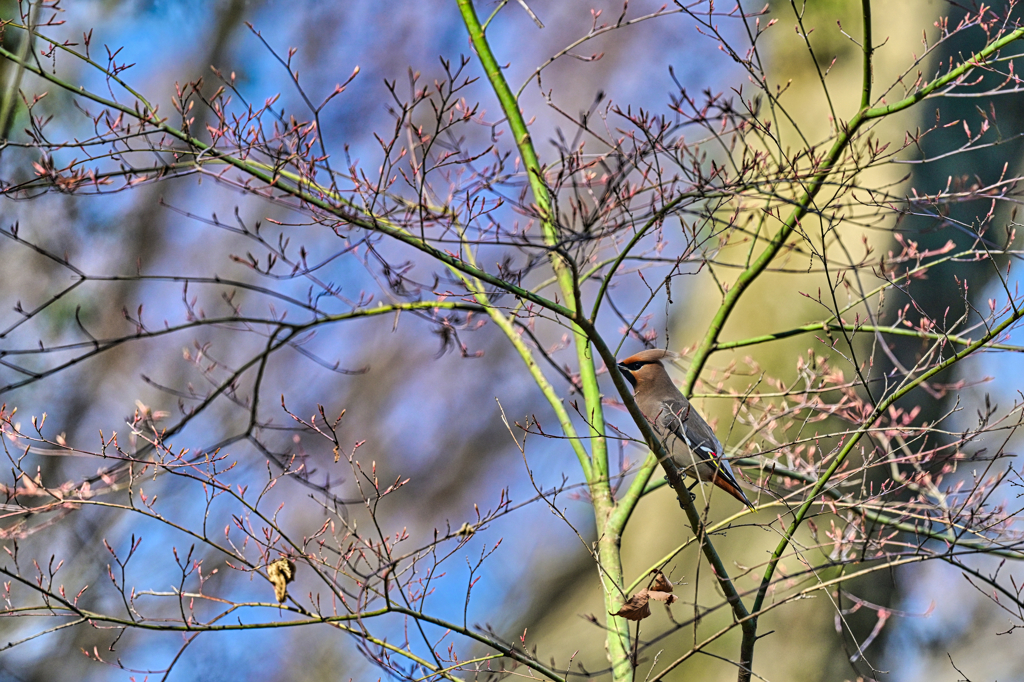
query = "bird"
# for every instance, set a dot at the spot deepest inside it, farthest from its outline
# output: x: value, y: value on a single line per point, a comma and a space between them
x: 691, y: 444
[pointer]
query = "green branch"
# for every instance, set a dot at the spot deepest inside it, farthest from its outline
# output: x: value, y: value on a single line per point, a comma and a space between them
x: 11, y: 95
x: 950, y: 536
x: 840, y: 459
x: 832, y: 326
x: 628, y: 502
x: 609, y: 541
x: 868, y: 71
x: 507, y: 326
x: 709, y: 343
x: 746, y: 278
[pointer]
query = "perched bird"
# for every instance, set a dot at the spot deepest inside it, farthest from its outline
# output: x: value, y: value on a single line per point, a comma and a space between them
x: 678, y: 425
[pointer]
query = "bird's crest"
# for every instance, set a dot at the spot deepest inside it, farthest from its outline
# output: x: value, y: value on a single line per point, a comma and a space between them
x: 646, y: 356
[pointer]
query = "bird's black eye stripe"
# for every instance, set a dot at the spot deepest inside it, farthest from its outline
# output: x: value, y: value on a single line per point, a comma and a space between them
x: 634, y: 366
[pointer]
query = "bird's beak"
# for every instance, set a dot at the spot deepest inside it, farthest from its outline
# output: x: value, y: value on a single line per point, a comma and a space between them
x: 626, y: 373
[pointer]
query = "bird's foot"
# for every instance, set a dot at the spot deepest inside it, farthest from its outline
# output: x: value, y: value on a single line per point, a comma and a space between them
x: 689, y: 488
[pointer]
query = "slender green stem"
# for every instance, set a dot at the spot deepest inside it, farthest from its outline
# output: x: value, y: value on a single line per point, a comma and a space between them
x: 918, y: 530
x: 609, y: 541
x: 978, y: 59
x: 840, y: 459
x: 830, y: 326
x: 625, y: 506
x: 846, y: 135
x: 100, y: 346
x: 778, y: 241
x: 11, y: 96
x: 505, y: 323
x: 710, y: 341
x: 802, y: 594
x: 606, y: 280
x: 868, y: 49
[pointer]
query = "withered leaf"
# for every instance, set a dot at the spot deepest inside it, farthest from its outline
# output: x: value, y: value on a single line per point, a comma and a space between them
x: 666, y: 597
x: 661, y: 583
x: 661, y: 590
x: 636, y: 608
x: 281, y: 572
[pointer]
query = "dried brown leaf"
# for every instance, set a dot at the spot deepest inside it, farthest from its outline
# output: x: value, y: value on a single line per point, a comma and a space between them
x: 661, y: 583
x: 281, y: 572
x: 661, y: 589
x: 666, y: 597
x: 636, y: 608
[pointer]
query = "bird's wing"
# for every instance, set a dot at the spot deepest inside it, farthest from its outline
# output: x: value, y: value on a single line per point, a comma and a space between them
x: 679, y: 418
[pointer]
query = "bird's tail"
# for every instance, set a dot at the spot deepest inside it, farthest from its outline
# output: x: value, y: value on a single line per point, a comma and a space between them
x: 727, y: 483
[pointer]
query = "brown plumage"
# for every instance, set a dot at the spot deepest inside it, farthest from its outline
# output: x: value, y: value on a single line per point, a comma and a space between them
x: 692, y: 446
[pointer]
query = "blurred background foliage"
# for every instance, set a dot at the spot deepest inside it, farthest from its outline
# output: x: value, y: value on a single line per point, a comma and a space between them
x: 432, y: 416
